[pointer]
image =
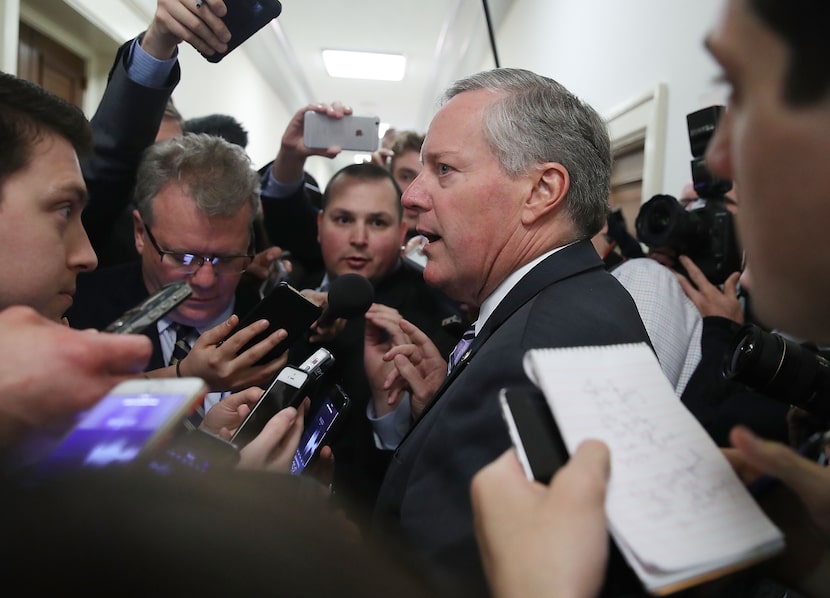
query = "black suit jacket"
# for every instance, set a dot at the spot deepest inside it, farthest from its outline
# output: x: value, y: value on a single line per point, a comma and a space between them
x: 125, y: 124
x: 566, y: 300
x: 103, y: 295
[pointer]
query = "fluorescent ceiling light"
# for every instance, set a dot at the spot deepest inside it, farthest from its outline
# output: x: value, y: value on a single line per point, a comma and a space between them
x: 364, y: 65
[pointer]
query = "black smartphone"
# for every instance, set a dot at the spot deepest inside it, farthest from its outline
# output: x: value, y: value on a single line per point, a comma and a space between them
x: 287, y: 390
x: 243, y: 19
x: 284, y: 307
x: 533, y: 431
x: 321, y: 426
x: 152, y: 309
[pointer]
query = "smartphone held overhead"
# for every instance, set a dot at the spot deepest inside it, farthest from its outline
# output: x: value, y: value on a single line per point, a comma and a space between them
x: 355, y: 133
x: 243, y: 19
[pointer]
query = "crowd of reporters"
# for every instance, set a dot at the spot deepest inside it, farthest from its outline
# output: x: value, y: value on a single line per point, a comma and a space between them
x: 156, y: 198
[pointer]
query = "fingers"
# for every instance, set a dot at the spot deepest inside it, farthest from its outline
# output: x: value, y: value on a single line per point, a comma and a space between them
x: 730, y: 286
x: 421, y: 340
x: 267, y: 450
x: 247, y: 397
x: 695, y: 274
x: 806, y: 478
x: 124, y: 353
x: 503, y: 472
x: 201, y: 27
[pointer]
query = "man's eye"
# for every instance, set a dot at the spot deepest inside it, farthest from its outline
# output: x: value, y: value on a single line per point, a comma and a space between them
x: 443, y: 169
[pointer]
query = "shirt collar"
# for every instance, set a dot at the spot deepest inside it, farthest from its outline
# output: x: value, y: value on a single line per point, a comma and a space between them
x: 489, y: 305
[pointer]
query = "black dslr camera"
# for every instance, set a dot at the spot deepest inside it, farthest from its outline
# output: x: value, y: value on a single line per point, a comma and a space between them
x: 705, y: 234
x: 780, y: 369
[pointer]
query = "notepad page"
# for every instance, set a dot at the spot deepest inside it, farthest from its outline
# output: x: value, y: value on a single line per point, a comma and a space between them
x: 673, y: 499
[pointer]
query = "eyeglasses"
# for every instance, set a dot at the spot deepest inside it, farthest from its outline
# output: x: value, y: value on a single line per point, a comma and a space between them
x: 188, y: 263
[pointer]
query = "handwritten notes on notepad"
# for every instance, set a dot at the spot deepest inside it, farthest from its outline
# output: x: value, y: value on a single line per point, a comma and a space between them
x: 677, y: 510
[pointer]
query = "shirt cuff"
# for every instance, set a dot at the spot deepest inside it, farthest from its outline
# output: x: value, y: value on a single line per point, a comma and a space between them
x: 147, y: 70
x: 390, y: 429
x: 277, y: 189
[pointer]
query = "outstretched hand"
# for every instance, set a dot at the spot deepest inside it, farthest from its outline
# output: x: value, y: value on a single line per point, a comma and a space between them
x: 198, y: 24
x: 708, y: 298
x: 216, y: 359
x: 538, y: 540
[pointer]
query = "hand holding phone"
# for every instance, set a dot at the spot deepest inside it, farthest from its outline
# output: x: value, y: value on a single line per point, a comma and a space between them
x: 133, y: 420
x: 321, y: 426
x: 243, y: 19
x: 284, y: 307
x: 533, y: 431
x: 288, y: 389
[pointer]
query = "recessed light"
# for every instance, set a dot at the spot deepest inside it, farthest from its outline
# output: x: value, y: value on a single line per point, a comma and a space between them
x: 364, y: 65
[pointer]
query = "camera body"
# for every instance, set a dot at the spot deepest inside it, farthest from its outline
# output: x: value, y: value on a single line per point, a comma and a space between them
x: 707, y: 233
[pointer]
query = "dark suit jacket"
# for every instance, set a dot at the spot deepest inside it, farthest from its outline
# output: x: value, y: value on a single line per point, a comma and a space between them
x: 103, y: 295
x: 567, y: 300
x: 291, y: 223
x: 125, y: 124
x: 359, y: 466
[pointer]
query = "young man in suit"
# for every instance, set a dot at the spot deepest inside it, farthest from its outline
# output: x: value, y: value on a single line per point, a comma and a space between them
x: 48, y: 372
x: 515, y: 184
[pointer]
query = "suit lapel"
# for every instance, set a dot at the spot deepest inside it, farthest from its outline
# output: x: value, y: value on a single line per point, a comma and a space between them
x: 574, y: 259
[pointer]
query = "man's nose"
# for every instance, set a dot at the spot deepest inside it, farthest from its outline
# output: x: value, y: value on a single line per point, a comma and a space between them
x: 359, y: 234
x: 204, y: 276
x: 719, y: 150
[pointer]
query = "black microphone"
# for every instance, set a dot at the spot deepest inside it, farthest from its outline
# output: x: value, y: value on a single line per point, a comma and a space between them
x: 350, y: 295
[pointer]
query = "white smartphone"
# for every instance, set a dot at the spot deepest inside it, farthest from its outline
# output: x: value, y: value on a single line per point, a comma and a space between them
x: 356, y: 133
x: 287, y: 389
x: 134, y: 419
x: 533, y: 431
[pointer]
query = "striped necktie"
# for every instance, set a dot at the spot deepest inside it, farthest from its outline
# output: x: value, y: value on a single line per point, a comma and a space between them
x: 180, y: 350
x: 460, y: 350
x: 182, y: 346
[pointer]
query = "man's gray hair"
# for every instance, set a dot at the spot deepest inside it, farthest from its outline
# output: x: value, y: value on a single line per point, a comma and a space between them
x: 537, y: 120
x: 218, y: 175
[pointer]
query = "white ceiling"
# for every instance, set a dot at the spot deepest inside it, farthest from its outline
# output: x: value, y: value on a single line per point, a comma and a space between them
x: 442, y: 40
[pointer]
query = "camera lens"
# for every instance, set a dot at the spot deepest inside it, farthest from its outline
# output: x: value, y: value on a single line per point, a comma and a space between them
x: 781, y: 369
x: 659, y: 221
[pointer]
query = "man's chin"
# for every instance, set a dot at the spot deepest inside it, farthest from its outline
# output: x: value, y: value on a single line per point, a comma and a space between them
x: 197, y: 316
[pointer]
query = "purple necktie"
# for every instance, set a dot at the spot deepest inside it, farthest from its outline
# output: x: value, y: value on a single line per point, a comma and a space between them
x: 461, y: 348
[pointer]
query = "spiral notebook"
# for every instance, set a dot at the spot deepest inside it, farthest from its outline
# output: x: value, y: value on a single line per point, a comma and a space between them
x: 678, y: 512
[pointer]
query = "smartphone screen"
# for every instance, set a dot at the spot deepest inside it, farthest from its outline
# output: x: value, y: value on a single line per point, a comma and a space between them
x: 286, y: 390
x: 534, y: 432
x: 320, y: 427
x: 135, y: 417
x: 284, y: 307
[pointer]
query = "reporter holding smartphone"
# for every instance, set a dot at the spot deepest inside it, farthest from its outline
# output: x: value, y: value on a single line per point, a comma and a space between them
x: 196, y: 199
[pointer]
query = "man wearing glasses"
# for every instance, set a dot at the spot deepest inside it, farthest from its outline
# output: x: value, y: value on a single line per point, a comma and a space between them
x: 196, y: 199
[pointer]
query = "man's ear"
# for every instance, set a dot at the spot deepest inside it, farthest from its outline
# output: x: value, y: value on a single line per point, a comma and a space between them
x: 550, y: 184
x: 138, y: 232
